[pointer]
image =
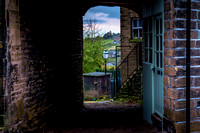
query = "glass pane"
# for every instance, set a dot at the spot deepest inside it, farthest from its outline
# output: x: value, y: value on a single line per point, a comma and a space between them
x: 161, y: 60
x: 160, y: 26
x: 150, y: 39
x: 161, y: 43
x: 157, y: 43
x: 146, y: 55
x: 135, y: 31
x: 140, y: 32
x: 157, y: 26
x: 150, y: 55
x: 157, y: 59
x: 146, y: 40
x: 134, y: 23
x: 140, y: 23
x: 150, y: 25
x: 145, y: 27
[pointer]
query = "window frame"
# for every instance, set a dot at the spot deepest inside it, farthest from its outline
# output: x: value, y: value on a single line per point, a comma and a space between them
x: 138, y: 28
x: 148, y: 41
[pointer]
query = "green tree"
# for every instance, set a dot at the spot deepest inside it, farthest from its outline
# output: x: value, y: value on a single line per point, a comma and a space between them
x: 108, y: 35
x: 92, y: 47
x: 92, y: 54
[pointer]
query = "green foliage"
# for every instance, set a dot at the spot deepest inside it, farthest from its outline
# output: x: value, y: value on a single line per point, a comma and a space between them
x: 2, y: 126
x: 108, y: 35
x: 133, y: 87
x: 135, y: 40
x: 107, y: 42
x: 127, y: 99
x: 92, y: 54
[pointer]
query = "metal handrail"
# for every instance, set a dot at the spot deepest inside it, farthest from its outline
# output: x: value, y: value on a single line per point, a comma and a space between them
x: 127, y: 55
x: 129, y: 74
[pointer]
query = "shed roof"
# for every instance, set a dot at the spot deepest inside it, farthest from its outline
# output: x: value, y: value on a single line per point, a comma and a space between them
x: 96, y: 74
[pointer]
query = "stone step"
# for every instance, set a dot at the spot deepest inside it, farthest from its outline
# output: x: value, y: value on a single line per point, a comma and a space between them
x: 1, y: 120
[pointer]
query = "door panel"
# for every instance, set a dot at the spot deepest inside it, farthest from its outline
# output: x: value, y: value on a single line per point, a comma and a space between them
x: 153, y: 27
x: 147, y: 91
x: 158, y: 65
x: 147, y: 70
x: 153, y: 70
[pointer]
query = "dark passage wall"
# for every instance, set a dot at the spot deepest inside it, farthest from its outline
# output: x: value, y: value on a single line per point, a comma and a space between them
x: 44, y: 69
x: 1, y: 62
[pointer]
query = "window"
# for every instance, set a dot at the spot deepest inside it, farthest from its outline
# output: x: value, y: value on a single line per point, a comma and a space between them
x: 148, y: 39
x: 137, y: 28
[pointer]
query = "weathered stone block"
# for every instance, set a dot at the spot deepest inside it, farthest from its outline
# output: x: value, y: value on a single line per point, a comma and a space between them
x: 195, y: 93
x: 178, y: 82
x: 167, y: 80
x: 180, y: 115
x: 194, y: 127
x: 195, y: 61
x: 182, y: 104
x: 174, y: 52
x: 173, y: 93
x: 178, y: 61
x: 167, y: 102
x: 174, y: 71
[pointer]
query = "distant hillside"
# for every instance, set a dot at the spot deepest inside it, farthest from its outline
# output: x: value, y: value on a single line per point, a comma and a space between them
x: 110, y: 35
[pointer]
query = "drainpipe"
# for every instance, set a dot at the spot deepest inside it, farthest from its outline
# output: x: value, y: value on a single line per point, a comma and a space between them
x: 188, y: 19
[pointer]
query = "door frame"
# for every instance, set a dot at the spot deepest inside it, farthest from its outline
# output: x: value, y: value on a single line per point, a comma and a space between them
x: 154, y: 17
x: 148, y: 65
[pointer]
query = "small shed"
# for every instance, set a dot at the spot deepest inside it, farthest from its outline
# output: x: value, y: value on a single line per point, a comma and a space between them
x: 96, y: 84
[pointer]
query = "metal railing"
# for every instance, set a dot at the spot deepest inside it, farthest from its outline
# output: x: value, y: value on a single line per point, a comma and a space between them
x: 128, y: 67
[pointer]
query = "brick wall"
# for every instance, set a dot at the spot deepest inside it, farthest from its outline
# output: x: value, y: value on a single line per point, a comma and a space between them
x: 175, y: 61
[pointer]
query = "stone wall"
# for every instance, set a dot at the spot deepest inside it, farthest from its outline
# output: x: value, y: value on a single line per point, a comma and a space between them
x: 96, y: 85
x: 126, y: 16
x: 175, y: 62
x: 2, y: 41
x: 26, y: 72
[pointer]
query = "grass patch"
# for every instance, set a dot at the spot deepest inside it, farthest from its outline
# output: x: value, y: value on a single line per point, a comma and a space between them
x: 129, y: 99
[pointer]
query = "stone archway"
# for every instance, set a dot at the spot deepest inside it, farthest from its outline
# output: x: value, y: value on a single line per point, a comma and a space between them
x: 39, y: 86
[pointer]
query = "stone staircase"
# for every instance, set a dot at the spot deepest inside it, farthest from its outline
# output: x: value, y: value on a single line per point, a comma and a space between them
x: 133, y: 85
x: 131, y: 73
x: 1, y: 122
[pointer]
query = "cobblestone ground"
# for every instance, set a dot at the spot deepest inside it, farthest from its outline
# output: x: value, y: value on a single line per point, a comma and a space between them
x: 109, y: 117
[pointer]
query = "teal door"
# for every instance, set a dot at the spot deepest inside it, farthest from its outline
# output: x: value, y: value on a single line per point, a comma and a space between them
x: 158, y: 70
x: 147, y: 69
x: 153, y: 70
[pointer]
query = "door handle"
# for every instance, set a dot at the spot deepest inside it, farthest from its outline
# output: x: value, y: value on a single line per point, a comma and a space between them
x: 159, y: 72
x: 153, y: 69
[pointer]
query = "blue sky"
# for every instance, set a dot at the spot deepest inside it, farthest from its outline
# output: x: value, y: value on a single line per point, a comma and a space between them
x: 107, y: 18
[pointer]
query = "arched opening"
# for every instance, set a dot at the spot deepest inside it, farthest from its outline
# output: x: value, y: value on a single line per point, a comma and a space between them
x: 101, y: 33
x: 101, y: 86
x: 132, y: 38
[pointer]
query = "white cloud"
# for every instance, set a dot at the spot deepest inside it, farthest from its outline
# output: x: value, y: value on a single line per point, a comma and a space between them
x: 110, y: 24
x: 100, y: 15
x: 107, y: 24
